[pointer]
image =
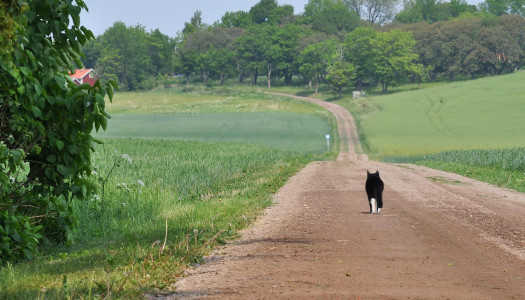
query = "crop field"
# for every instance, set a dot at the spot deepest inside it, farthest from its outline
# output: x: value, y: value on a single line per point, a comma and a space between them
x: 163, y: 200
x: 198, y: 99
x: 480, y: 114
x: 280, y: 130
x: 503, y: 167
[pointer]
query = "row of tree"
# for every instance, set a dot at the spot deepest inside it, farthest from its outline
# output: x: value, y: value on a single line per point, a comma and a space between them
x: 448, y: 38
x: 131, y: 56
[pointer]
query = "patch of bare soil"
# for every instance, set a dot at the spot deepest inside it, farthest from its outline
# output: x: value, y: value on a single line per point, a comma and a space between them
x: 439, y: 236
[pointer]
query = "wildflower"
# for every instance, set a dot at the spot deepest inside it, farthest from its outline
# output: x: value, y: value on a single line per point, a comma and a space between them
x: 95, y: 198
x: 140, y: 182
x: 123, y: 185
x: 124, y: 204
x: 127, y: 158
x: 243, y: 217
x: 195, y: 231
x: 94, y: 172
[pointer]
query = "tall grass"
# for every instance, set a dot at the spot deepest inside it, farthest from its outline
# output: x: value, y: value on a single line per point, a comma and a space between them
x: 503, y: 167
x: 200, y: 194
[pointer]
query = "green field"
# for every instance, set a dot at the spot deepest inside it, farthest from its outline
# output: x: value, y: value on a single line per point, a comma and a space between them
x: 501, y: 167
x: 164, y: 201
x: 280, y: 130
x: 481, y: 114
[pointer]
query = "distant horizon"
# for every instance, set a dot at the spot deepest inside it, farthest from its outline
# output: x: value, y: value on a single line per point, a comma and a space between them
x: 168, y: 16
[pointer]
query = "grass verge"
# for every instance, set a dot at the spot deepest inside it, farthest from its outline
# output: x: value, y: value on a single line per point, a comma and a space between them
x: 503, y: 168
x: 165, y: 204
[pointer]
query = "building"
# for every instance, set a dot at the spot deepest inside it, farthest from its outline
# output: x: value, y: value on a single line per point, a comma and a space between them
x: 82, y: 76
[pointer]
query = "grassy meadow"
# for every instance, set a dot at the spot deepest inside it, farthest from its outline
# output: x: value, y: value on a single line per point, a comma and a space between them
x: 479, y: 114
x: 166, y: 196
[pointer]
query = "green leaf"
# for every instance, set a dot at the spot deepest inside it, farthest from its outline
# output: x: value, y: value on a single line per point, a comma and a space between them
x: 104, y: 123
x: 15, y: 235
x: 37, y: 112
x: 52, y: 158
x: 60, y: 144
x: 109, y: 90
x: 64, y: 170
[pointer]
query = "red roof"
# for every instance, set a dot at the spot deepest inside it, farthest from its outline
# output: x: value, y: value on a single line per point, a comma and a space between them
x: 80, y: 73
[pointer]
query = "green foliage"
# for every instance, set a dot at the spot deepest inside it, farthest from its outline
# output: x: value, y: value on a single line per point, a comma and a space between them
x: 46, y: 124
x: 315, y: 59
x: 330, y: 16
x: 432, y: 11
x: 503, y: 7
x: 131, y: 56
x: 239, y: 19
x: 387, y: 57
x: 340, y: 74
x: 470, y: 46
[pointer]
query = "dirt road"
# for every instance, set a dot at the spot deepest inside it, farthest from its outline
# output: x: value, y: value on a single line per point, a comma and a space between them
x: 439, y: 236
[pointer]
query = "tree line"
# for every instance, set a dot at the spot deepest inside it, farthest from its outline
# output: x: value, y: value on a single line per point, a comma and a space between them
x: 426, y: 39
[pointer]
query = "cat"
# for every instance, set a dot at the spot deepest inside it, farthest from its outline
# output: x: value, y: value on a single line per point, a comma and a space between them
x: 374, y: 187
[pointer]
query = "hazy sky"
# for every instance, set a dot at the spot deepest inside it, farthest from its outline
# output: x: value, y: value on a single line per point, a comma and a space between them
x: 168, y: 15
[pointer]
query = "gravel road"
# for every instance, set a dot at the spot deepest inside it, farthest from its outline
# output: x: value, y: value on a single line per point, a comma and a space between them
x: 439, y: 236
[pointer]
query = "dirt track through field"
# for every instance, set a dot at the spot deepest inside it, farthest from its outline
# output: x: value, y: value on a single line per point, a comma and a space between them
x: 439, y: 236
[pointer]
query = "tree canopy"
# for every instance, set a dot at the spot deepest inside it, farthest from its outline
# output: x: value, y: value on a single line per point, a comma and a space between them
x: 269, y: 40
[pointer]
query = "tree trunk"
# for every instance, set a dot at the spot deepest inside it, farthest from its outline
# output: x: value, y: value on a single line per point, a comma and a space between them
x: 316, y: 84
x: 385, y: 86
x: 288, y: 79
x: 340, y: 92
x: 310, y: 84
x: 359, y: 84
x: 255, y: 74
x: 223, y: 77
x: 269, y: 76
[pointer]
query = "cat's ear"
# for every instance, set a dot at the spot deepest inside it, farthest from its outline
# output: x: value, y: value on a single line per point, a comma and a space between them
x: 367, y: 172
x: 377, y: 172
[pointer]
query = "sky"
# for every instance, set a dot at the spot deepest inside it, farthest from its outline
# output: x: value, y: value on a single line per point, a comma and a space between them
x: 168, y: 16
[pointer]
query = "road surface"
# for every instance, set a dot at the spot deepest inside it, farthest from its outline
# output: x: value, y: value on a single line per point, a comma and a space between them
x: 439, y: 236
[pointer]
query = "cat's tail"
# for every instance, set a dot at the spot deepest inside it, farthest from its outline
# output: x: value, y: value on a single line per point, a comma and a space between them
x: 373, y: 201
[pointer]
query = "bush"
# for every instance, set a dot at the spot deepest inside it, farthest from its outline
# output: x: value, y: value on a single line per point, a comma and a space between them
x: 46, y: 122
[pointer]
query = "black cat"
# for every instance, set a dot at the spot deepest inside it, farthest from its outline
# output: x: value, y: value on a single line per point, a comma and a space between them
x: 374, y: 190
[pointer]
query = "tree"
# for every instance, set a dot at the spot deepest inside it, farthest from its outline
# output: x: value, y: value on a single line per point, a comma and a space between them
x: 251, y: 48
x: 360, y: 51
x: 315, y: 59
x: 160, y: 50
x: 137, y: 55
x: 432, y: 11
x: 262, y: 11
x: 194, y: 24
x: 240, y: 19
x: 379, y: 11
x: 502, y: 7
x: 340, y: 74
x: 387, y: 57
x: 46, y: 124
x: 330, y: 16
x: 395, y: 58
